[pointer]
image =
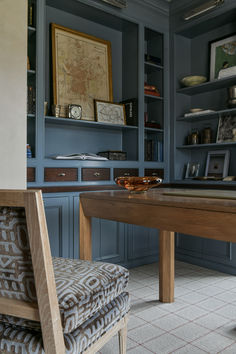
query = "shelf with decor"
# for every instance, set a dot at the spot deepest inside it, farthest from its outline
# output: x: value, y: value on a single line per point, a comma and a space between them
x: 196, y: 58
x: 153, y: 96
x: 31, y: 81
x: 84, y: 123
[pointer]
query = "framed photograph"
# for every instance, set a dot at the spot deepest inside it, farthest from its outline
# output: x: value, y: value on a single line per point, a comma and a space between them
x: 81, y: 69
x: 217, y: 164
x: 192, y: 170
x: 226, y: 129
x: 223, y: 58
x: 107, y: 112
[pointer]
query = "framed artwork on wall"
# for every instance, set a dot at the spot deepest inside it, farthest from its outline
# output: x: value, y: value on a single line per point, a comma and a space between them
x: 226, y: 129
x: 223, y: 58
x: 217, y: 164
x: 107, y: 112
x: 81, y: 69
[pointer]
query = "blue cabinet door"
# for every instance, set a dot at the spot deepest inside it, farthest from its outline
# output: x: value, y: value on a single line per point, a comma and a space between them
x: 57, y: 215
x: 142, y: 245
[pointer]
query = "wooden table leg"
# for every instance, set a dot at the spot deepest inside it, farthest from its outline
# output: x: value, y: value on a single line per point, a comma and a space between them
x: 166, y: 266
x: 85, y: 239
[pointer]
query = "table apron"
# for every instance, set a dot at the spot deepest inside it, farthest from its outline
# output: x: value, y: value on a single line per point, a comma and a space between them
x: 205, y: 223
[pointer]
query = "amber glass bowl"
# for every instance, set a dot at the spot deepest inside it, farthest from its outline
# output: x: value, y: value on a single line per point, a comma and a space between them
x: 138, y: 184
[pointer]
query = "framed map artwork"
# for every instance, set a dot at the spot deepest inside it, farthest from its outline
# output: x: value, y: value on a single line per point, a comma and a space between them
x: 107, y: 112
x: 81, y: 69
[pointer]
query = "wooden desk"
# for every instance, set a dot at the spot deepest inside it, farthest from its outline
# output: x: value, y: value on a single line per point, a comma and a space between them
x: 201, y: 213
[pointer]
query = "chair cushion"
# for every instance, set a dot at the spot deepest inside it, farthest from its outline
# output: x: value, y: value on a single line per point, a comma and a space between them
x: 15, y: 339
x: 84, y: 287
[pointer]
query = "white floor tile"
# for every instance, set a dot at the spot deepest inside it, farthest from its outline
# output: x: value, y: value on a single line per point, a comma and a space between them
x: 213, y: 343
x: 190, y: 332
x: 164, y: 344
x: 189, y: 349
x: 212, y: 321
x: 191, y: 312
x: 144, y: 333
x: 169, y: 322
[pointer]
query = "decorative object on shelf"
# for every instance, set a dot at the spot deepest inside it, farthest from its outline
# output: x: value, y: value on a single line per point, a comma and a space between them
x: 114, y: 155
x: 138, y: 184
x: 28, y: 151
x: 226, y: 129
x: 131, y: 111
x: 198, y: 112
x: 75, y: 111
x: 31, y: 100
x: 81, y: 69
x: 194, y: 137
x: 223, y: 58
x: 193, y: 80
x: 28, y: 63
x: 56, y: 110
x: 118, y: 3
x: 206, y: 136
x: 217, y: 164
x: 45, y: 108
x: 107, y: 112
x: 31, y: 14
x: 152, y: 60
x: 202, y: 9
x: 232, y: 97
x: 64, y: 111
x: 192, y: 169
x: 229, y: 178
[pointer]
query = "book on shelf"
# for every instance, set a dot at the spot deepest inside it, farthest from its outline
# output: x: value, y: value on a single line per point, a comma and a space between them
x: 131, y: 111
x: 153, y: 150
x: 80, y: 156
x: 152, y: 93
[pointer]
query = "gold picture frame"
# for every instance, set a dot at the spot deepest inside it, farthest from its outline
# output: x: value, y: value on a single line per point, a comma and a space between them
x: 82, y: 69
x: 111, y: 113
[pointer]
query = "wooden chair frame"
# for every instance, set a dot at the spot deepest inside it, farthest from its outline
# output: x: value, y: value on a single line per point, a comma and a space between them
x: 46, y: 311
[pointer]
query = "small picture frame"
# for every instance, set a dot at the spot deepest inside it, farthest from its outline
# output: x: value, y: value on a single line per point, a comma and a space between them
x: 226, y: 131
x: 108, y: 112
x: 217, y: 164
x: 223, y: 58
x: 192, y: 170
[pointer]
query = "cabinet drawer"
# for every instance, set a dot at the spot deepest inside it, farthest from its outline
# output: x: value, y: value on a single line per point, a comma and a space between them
x: 30, y: 174
x: 120, y: 172
x: 154, y: 172
x: 52, y: 174
x: 95, y: 174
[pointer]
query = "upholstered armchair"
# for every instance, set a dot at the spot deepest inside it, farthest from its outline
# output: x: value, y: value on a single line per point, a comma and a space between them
x: 55, y: 305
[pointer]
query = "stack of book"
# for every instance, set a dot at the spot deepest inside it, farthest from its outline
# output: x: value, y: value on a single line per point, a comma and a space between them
x: 151, y: 90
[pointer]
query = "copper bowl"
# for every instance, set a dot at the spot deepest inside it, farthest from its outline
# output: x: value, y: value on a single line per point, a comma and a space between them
x: 138, y: 184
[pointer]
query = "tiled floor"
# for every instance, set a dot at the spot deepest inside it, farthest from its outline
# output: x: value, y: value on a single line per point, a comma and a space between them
x: 201, y: 320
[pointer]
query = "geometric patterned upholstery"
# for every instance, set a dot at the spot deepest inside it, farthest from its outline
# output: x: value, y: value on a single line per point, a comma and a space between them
x: 16, y: 272
x: 84, y: 287
x: 15, y: 339
x: 91, y: 295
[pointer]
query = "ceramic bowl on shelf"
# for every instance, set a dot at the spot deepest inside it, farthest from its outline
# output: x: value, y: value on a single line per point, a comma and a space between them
x: 193, y: 80
x: 195, y: 110
x: 138, y: 184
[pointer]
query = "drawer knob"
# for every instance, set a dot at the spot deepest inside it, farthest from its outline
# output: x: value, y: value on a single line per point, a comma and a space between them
x: 61, y: 174
x: 96, y: 174
x: 126, y: 174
